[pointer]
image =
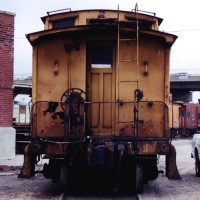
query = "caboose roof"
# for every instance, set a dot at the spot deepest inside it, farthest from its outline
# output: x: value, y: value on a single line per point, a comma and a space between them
x: 84, y: 20
x: 57, y: 13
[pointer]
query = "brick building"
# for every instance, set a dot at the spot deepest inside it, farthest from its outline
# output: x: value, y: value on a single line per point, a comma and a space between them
x: 7, y: 133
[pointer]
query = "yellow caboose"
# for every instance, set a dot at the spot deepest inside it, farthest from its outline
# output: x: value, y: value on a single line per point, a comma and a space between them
x: 100, y: 99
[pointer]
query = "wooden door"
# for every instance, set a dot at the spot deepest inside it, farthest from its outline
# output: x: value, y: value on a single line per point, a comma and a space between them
x: 101, y: 88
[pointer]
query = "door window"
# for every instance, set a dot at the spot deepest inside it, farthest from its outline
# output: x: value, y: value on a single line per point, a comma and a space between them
x: 102, y: 56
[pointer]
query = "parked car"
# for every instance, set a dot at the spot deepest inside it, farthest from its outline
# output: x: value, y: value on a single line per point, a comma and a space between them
x: 196, y: 152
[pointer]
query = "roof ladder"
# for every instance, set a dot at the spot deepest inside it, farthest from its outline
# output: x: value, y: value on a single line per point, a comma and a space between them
x: 129, y: 40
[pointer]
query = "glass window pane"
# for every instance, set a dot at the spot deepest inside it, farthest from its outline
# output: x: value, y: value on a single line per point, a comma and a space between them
x: 63, y: 23
x: 102, y: 56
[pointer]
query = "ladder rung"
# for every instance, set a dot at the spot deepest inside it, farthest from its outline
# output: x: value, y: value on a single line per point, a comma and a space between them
x: 128, y: 60
x: 127, y: 39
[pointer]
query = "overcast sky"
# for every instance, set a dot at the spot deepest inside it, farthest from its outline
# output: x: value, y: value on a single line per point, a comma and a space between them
x: 181, y: 17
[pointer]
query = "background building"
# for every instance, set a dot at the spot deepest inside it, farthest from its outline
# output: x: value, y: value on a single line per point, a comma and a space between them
x: 7, y: 133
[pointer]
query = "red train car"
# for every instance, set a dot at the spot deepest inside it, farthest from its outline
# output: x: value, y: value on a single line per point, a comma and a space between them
x: 198, y: 117
x: 189, y: 118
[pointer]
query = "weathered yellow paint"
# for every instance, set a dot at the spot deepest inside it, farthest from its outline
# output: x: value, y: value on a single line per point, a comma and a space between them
x: 110, y: 91
x: 80, y: 16
x: 174, y: 115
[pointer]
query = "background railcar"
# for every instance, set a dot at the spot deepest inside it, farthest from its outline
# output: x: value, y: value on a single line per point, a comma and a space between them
x: 186, y: 118
x: 174, y: 119
x: 100, y: 99
x: 21, y: 123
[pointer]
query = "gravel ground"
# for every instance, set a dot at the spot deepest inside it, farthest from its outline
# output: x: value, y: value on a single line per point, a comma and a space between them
x: 163, y: 189
x: 38, y: 187
x: 184, y: 189
x: 35, y: 188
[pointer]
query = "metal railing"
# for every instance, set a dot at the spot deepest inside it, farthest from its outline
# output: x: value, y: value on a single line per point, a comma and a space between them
x: 27, y: 76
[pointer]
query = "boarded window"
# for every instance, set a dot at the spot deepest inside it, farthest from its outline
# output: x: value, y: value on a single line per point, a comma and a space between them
x: 182, y: 113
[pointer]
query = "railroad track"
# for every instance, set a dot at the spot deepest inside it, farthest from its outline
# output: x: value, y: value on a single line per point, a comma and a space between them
x: 62, y: 196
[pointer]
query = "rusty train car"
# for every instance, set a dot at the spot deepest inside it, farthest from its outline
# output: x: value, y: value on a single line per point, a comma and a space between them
x: 100, y: 100
x: 185, y: 118
x: 189, y: 118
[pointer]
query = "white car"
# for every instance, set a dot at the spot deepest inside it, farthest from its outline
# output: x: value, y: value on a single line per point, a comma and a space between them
x: 196, y: 152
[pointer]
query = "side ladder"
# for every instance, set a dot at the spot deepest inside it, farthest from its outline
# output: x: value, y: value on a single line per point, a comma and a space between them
x: 126, y: 52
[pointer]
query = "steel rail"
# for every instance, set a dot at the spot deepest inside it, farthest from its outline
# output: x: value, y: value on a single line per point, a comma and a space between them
x: 61, y: 197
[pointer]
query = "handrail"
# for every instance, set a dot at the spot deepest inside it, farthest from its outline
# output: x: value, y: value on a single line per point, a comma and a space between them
x: 121, y: 102
x: 142, y: 11
x: 61, y: 10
